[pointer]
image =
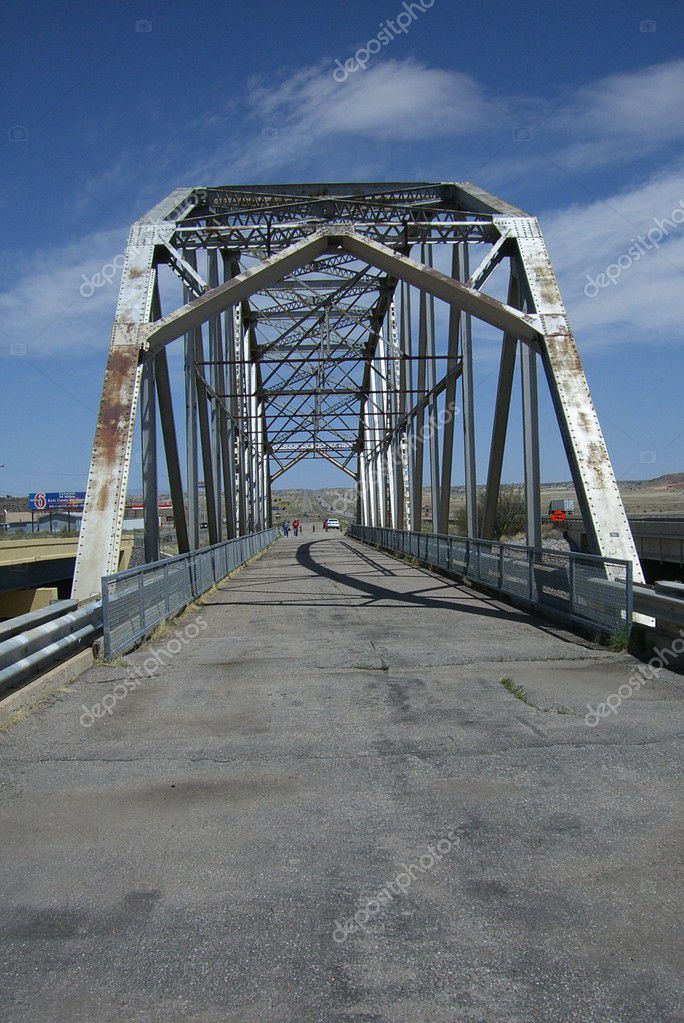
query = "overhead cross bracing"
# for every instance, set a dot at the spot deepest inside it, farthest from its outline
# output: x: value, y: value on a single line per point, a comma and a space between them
x: 333, y: 321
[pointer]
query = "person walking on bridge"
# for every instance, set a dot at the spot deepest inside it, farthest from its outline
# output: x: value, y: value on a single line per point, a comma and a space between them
x: 286, y: 528
x: 295, y: 526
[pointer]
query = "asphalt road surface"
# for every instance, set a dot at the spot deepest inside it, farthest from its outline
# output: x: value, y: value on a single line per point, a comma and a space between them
x: 321, y: 804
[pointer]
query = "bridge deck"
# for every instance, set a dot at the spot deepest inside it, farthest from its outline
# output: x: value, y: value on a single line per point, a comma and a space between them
x: 197, y: 853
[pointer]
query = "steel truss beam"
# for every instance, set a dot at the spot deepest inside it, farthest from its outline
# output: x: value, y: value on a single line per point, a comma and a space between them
x: 303, y: 335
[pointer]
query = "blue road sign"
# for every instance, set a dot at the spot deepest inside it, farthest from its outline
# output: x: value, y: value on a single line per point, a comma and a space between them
x: 44, y: 500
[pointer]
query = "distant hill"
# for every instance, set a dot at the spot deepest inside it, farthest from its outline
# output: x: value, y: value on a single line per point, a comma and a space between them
x: 670, y: 481
x: 13, y: 504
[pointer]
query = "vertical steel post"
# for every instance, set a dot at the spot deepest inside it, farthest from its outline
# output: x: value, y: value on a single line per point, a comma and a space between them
x: 360, y: 491
x: 205, y: 438
x: 370, y: 468
x: 148, y: 438
x: 528, y: 363
x: 432, y: 403
x: 392, y: 420
x: 468, y: 408
x: 373, y: 485
x: 629, y: 595
x: 383, y: 452
x: 450, y: 403
x: 171, y: 450
x: 240, y: 413
x: 501, y: 414
x: 106, y: 624
x: 419, y: 417
x: 192, y: 478
x: 364, y: 496
x: 260, y: 460
x: 252, y: 429
x: 406, y: 385
x: 228, y: 419
x: 215, y: 379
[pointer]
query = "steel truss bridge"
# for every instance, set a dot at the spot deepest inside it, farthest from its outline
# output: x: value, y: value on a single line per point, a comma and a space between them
x: 333, y: 321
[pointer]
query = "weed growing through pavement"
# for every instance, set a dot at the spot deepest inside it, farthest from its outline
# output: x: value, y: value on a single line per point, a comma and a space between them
x: 516, y: 689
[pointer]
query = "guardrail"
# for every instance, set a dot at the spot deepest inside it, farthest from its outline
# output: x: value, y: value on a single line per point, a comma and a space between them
x: 34, y: 642
x: 587, y: 589
x: 664, y: 602
x: 136, y: 601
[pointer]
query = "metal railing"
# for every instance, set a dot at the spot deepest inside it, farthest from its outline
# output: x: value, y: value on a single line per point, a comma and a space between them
x: 136, y: 601
x: 35, y: 642
x: 664, y: 602
x: 587, y: 589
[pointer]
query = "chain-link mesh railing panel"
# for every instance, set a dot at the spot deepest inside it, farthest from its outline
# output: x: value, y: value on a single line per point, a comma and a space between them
x: 125, y: 623
x: 551, y: 575
x: 135, y: 602
x: 154, y: 595
x: 431, y: 549
x: 472, y: 570
x: 221, y: 567
x: 178, y: 584
x: 487, y: 561
x: 600, y: 592
x: 204, y: 577
x: 596, y: 591
x: 458, y: 555
x: 515, y: 571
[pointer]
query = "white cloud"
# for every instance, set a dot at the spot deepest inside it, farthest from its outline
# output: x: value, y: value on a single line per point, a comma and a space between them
x: 47, y: 305
x: 392, y: 99
x: 389, y: 101
x: 644, y: 303
x: 43, y: 308
x: 623, y: 116
x: 310, y: 120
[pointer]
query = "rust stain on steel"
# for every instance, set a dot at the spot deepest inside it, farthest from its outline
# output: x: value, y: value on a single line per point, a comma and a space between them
x: 115, y: 414
x: 548, y: 289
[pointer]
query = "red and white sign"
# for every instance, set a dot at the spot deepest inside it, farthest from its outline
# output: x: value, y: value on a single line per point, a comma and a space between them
x: 558, y: 515
x: 40, y: 502
x: 139, y: 507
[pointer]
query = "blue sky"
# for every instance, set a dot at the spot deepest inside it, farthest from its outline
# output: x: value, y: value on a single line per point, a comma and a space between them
x: 573, y: 112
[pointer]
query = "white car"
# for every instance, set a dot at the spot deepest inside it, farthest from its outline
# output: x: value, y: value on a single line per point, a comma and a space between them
x: 332, y: 523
